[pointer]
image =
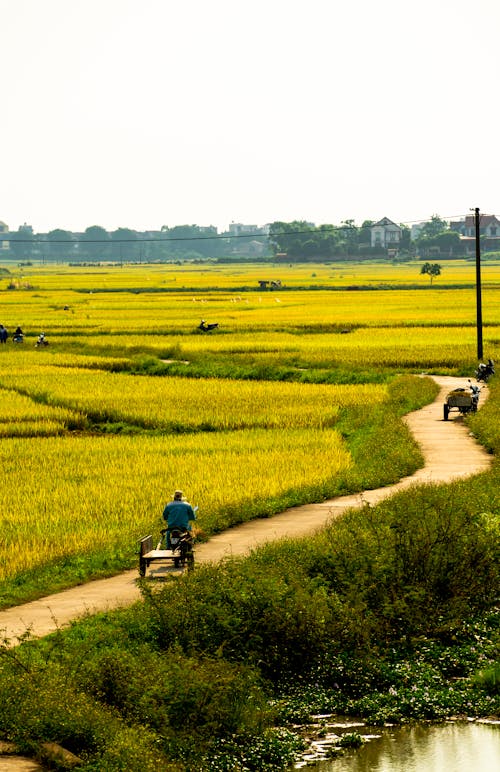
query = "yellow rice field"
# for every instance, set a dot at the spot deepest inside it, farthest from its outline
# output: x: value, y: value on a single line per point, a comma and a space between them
x: 179, y: 404
x: 68, y: 495
x: 232, y: 444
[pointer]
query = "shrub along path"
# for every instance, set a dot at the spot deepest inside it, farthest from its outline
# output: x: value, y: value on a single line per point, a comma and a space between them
x: 449, y: 451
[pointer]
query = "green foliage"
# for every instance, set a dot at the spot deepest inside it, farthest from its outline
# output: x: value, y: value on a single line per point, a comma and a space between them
x: 489, y: 679
x: 486, y: 422
x: 434, y: 227
x: 351, y: 740
x: 176, y: 695
x: 273, y: 750
x: 423, y: 561
x: 432, y: 269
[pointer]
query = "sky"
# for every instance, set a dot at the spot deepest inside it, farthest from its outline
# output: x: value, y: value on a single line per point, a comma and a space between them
x: 151, y: 113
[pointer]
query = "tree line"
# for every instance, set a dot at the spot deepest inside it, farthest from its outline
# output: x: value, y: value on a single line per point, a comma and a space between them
x: 297, y: 240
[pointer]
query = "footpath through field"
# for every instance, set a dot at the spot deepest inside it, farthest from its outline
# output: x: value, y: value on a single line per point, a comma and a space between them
x: 449, y: 451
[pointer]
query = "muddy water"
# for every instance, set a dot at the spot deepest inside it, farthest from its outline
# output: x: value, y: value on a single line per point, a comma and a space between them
x: 455, y: 747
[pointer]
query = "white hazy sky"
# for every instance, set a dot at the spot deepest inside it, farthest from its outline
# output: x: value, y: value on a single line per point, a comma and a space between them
x: 143, y: 113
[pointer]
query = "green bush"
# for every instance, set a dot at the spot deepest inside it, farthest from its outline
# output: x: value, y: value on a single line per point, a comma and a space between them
x: 416, y: 564
x: 489, y: 679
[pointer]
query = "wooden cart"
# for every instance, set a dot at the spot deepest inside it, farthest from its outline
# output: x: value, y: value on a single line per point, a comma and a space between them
x: 181, y: 554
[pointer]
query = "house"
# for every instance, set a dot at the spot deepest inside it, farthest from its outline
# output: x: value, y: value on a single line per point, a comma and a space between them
x: 385, y: 234
x: 4, y: 229
x: 416, y: 229
x: 489, y: 231
x: 489, y: 226
x: 239, y: 229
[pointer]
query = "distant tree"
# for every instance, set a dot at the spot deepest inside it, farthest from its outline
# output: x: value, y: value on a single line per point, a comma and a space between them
x: 96, y: 243
x: 448, y: 241
x: 365, y: 234
x: 350, y: 235
x: 124, y: 245
x: 432, y: 269
x: 301, y: 240
x: 60, y: 244
x: 195, y: 239
x: 290, y: 237
x: 405, y: 240
x: 432, y: 228
x: 21, y: 242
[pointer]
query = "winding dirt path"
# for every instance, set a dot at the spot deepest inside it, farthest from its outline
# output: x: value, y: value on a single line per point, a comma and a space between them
x: 449, y: 451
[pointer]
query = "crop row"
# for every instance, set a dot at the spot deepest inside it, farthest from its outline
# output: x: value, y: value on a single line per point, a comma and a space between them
x: 21, y: 416
x: 166, y: 313
x: 179, y: 404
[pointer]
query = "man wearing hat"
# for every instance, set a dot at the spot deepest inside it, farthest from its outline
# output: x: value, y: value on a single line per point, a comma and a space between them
x: 178, y: 513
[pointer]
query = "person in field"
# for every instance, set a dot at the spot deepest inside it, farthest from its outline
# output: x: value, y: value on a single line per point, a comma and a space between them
x: 3, y: 334
x: 178, y: 512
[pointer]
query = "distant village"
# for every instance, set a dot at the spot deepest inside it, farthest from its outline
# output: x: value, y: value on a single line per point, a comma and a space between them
x: 293, y: 241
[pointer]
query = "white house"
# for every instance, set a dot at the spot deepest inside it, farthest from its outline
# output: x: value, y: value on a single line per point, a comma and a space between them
x: 385, y: 234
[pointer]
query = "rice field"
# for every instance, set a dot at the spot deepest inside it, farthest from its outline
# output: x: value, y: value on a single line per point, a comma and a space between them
x: 71, y: 495
x: 179, y: 404
x: 240, y: 448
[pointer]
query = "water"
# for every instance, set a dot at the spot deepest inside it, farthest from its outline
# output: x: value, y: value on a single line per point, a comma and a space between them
x: 453, y: 747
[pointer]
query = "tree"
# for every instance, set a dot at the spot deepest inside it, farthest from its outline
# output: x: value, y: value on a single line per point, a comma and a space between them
x: 21, y: 242
x: 97, y: 246
x: 432, y: 269
x: 290, y: 237
x: 350, y: 235
x: 60, y: 245
x: 405, y: 240
x: 124, y: 245
x: 434, y: 227
x: 183, y: 240
x: 301, y: 240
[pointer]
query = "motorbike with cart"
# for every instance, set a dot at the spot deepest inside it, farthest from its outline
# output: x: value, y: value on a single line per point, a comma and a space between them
x: 180, y: 550
x: 463, y: 400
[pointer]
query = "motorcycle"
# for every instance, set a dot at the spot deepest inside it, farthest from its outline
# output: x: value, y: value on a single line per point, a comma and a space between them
x: 181, y: 543
x: 462, y: 400
x: 485, y: 371
x: 204, y: 327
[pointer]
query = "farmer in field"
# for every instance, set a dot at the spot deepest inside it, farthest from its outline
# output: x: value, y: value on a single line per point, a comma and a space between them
x: 178, y: 512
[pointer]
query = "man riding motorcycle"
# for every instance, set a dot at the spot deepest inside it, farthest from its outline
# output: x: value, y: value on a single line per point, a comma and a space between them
x: 178, y: 513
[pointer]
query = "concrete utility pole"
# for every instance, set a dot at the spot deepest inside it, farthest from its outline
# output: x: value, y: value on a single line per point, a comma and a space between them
x: 479, y: 312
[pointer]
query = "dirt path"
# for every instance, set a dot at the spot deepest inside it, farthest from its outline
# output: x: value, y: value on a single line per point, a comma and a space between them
x: 449, y: 451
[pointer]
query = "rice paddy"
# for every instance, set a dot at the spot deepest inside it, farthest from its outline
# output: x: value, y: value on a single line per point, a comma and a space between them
x: 90, y: 448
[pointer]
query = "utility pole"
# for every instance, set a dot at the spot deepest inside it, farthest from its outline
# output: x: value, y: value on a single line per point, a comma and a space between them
x: 479, y: 312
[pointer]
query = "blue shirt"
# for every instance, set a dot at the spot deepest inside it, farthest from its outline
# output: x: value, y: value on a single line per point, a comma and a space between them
x: 179, y: 513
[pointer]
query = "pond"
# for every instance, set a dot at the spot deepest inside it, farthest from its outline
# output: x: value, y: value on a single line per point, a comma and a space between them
x: 455, y: 746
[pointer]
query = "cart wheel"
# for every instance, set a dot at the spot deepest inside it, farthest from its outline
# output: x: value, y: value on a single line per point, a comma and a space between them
x: 446, y: 411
